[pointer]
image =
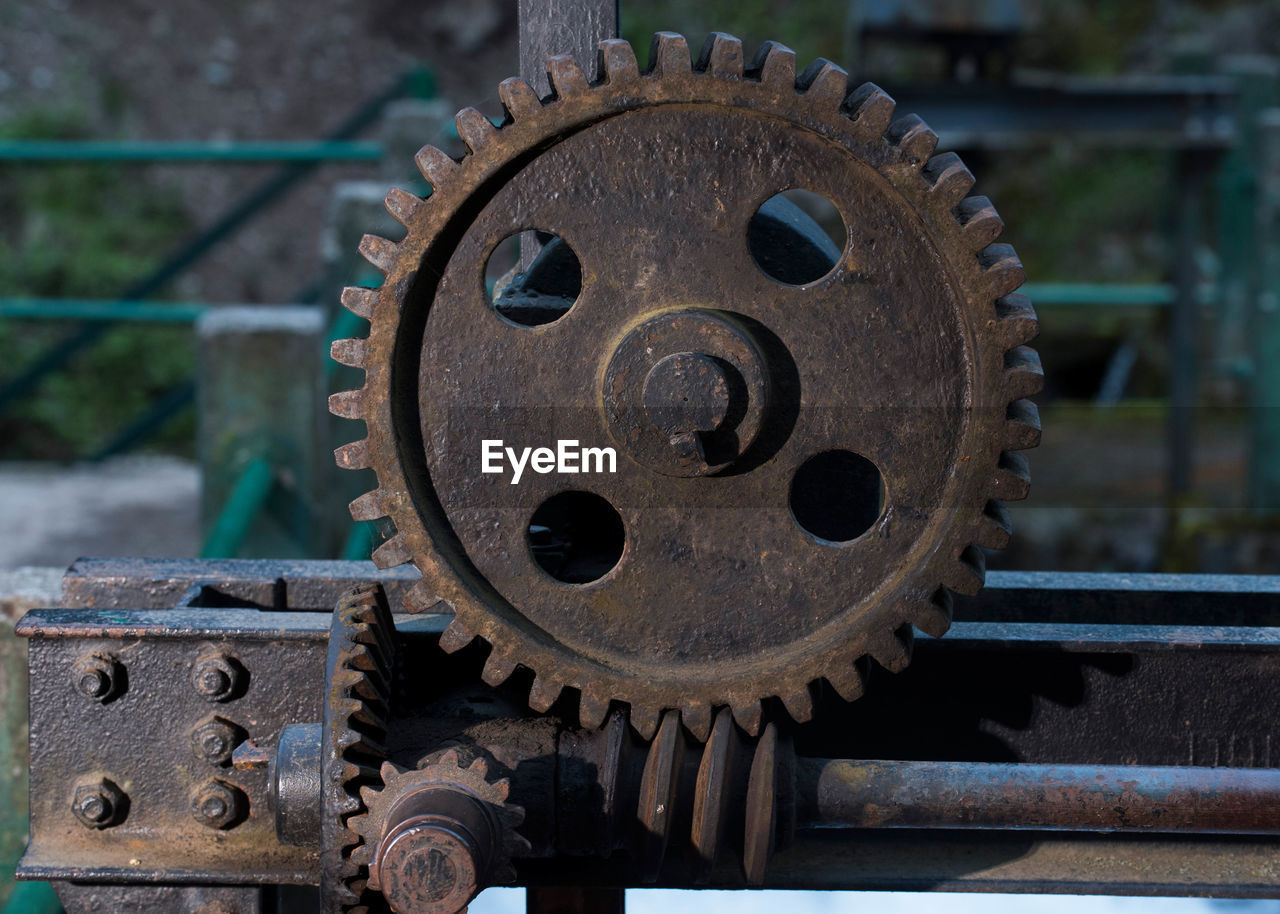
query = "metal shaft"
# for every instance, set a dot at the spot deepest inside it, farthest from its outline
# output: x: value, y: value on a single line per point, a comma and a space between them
x: 1106, y: 798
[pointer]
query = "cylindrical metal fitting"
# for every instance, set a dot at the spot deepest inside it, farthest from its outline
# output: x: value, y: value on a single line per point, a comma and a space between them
x: 437, y: 851
x: 1103, y: 798
x: 296, y: 794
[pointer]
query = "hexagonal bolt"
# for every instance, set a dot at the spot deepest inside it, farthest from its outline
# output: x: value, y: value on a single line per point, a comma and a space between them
x: 215, y: 739
x: 218, y: 677
x: 99, y: 803
x: 98, y: 676
x: 219, y: 804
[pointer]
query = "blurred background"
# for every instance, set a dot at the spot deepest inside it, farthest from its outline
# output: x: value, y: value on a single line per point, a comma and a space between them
x: 183, y: 186
x: 159, y: 162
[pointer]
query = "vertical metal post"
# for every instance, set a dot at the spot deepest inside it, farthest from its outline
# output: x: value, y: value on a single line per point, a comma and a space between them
x: 1193, y: 168
x: 574, y: 900
x: 551, y: 27
x: 1265, y: 456
x: 259, y: 398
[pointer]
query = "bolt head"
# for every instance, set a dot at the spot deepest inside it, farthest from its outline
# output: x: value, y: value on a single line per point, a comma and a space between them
x: 218, y: 677
x: 98, y: 803
x: 98, y: 676
x: 215, y: 739
x: 218, y: 804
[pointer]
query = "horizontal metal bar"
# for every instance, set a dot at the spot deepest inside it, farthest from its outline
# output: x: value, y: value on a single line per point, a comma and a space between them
x: 86, y: 309
x: 29, y: 151
x: 842, y: 793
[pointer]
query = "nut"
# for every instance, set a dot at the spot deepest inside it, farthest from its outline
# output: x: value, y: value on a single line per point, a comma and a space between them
x: 99, y: 803
x: 214, y: 739
x: 219, y: 804
x: 98, y: 676
x: 218, y: 677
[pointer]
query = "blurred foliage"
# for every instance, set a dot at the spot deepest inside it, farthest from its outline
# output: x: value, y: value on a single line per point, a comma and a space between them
x: 84, y: 231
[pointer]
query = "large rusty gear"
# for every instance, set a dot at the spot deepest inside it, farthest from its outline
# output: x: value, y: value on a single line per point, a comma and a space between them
x: 909, y: 352
x: 360, y: 667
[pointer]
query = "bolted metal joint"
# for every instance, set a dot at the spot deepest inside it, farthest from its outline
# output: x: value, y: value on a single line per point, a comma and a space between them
x: 99, y: 803
x: 219, y: 804
x: 219, y: 677
x: 215, y: 739
x: 98, y: 676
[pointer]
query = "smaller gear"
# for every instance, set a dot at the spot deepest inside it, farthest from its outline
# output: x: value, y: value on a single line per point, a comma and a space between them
x: 435, y: 836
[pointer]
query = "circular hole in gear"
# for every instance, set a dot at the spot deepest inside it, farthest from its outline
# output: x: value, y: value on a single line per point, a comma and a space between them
x: 576, y: 537
x: 837, y: 496
x: 540, y: 294
x: 796, y: 237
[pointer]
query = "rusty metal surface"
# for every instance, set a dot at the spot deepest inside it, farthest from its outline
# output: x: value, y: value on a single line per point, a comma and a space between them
x: 141, y: 740
x: 880, y: 794
x: 909, y: 352
x: 359, y: 664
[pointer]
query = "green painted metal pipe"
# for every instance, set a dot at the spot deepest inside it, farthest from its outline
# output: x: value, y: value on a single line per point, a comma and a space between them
x: 143, y: 152
x: 1105, y: 294
x: 86, y: 309
x: 244, y: 504
x: 32, y: 898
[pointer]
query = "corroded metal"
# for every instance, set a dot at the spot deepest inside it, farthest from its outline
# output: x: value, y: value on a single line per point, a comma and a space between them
x: 908, y: 352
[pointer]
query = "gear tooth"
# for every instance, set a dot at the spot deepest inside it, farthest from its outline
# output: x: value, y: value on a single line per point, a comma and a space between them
x: 435, y: 165
x: 748, y: 714
x: 645, y: 721
x: 913, y: 138
x: 380, y: 252
x: 979, y: 222
x: 669, y: 55
x: 849, y: 680
x: 949, y: 179
x: 994, y: 526
x: 367, y: 794
x: 360, y: 301
x: 1023, y: 374
x: 347, y: 404
x: 502, y: 790
x: 1001, y: 268
x: 391, y: 553
x: 402, y: 205
x: 799, y: 704
x: 721, y: 56
x: 1012, y: 479
x: 498, y: 668
x: 1022, y: 426
x: 892, y: 649
x: 474, y: 128
x: 479, y: 767
x: 420, y: 598
x: 968, y: 573
x: 455, y: 636
x: 936, y: 615
x: 353, y: 456
x: 616, y: 61
x: 362, y: 855
x: 823, y: 81
x: 593, y: 708
x: 871, y: 110
x: 1018, y: 322
x: 518, y: 98
x: 543, y: 693
x: 696, y: 718
x: 349, y: 352
x: 449, y: 759
x: 774, y: 64
x: 566, y: 77
x: 368, y: 506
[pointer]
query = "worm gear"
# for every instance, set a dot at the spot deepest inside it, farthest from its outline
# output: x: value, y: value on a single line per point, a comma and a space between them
x: 361, y: 663
x: 903, y: 365
x: 435, y: 836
